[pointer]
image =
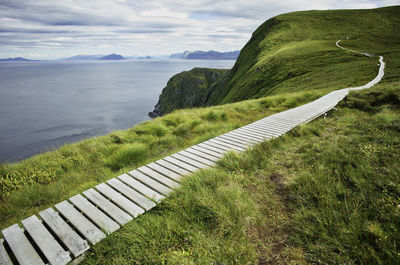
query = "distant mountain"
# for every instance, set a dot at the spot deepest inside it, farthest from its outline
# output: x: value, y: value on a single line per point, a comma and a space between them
x: 176, y: 55
x: 85, y: 57
x: 112, y: 57
x: 209, y: 55
x: 145, y: 57
x: 16, y: 59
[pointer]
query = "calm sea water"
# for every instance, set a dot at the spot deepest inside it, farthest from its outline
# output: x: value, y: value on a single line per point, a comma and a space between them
x: 44, y: 104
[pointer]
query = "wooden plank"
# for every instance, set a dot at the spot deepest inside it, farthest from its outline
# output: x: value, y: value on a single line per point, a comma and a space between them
x: 218, y: 146
x: 80, y: 222
x: 119, y: 200
x: 4, y: 258
x: 110, y: 208
x: 64, y: 232
x: 172, y: 167
x: 273, y: 126
x: 49, y: 246
x: 223, y: 142
x: 258, y: 136
x: 256, y: 139
x: 181, y: 164
x: 197, y: 158
x: 212, y: 148
x: 189, y: 161
x: 262, y: 132
x: 94, y: 214
x: 218, y: 142
x: 133, y: 195
x: 158, y: 177
x: 232, y: 139
x: 241, y: 137
x: 202, y: 154
x: 253, y: 133
x: 268, y: 128
x: 146, y: 180
x: 164, y: 171
x: 207, y: 151
x: 21, y: 247
x: 231, y: 142
x: 141, y: 188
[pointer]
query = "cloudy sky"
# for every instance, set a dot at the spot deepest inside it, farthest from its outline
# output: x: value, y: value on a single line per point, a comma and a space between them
x: 45, y: 29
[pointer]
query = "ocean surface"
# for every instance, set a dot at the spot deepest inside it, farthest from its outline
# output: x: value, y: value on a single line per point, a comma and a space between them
x: 44, y: 104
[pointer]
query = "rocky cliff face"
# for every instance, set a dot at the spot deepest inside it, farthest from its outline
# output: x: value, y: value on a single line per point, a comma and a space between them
x: 187, y: 90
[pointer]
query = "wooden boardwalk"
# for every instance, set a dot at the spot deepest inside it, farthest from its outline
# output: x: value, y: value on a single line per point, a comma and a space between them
x: 64, y: 232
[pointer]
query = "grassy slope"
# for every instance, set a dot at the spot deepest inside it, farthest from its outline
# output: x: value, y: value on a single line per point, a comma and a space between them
x: 295, y: 51
x: 328, y: 192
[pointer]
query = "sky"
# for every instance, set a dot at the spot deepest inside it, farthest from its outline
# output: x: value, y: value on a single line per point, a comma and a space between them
x: 50, y: 29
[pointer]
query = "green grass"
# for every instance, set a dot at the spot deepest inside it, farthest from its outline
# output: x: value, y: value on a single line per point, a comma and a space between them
x: 327, y: 192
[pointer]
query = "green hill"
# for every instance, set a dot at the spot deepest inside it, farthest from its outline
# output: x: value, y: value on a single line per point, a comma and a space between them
x: 295, y: 52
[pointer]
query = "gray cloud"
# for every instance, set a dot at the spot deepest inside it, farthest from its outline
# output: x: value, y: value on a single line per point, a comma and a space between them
x: 48, y: 28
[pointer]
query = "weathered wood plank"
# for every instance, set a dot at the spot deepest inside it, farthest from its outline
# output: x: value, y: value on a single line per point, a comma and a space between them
x: 202, y: 154
x: 212, y: 148
x: 120, y: 200
x: 110, y: 208
x: 4, y: 257
x: 252, y: 133
x: 231, y: 142
x: 164, y: 171
x: 94, y: 214
x: 133, y: 195
x: 253, y: 138
x: 189, y: 161
x: 155, y: 185
x: 262, y: 132
x: 232, y: 139
x: 64, y: 232
x: 172, y: 167
x: 143, y: 189
x: 197, y: 158
x: 80, y: 222
x: 207, y: 151
x: 218, y: 146
x: 158, y: 177
x: 49, y: 246
x: 218, y: 142
x: 268, y: 128
x: 180, y: 164
x: 21, y: 247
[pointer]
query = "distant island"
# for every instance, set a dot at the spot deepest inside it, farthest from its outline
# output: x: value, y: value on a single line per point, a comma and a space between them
x: 15, y: 59
x: 145, y: 57
x: 112, y: 57
x: 85, y: 57
x: 206, y: 55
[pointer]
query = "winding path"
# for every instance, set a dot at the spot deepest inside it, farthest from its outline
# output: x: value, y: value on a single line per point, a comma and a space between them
x: 66, y: 231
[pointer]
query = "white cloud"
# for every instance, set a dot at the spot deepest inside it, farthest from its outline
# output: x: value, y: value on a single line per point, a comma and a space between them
x: 48, y: 28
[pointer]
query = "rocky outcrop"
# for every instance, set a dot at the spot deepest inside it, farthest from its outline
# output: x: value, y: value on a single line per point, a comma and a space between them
x: 187, y: 90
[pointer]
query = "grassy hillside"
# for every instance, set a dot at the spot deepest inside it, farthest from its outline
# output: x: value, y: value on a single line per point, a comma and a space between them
x: 326, y: 193
x: 297, y: 52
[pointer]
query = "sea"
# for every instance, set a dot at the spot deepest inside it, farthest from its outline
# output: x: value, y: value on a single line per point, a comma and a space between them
x: 45, y: 104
